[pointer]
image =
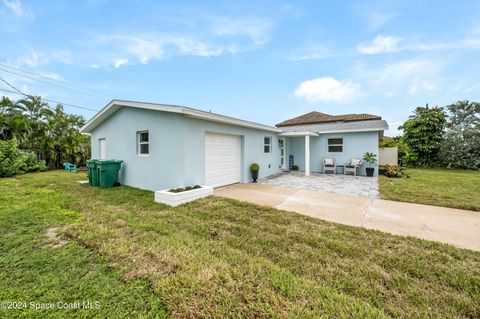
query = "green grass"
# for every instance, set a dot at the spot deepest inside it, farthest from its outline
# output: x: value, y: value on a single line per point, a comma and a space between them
x: 33, y: 270
x: 218, y: 258
x: 439, y: 187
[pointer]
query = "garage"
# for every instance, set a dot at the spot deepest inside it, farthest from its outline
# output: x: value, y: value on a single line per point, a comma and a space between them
x: 222, y: 159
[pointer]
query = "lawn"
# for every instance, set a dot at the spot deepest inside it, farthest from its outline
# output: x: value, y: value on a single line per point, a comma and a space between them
x: 439, y: 187
x: 217, y: 258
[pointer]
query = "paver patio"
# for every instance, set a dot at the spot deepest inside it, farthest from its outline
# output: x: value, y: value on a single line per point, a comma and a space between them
x: 333, y: 183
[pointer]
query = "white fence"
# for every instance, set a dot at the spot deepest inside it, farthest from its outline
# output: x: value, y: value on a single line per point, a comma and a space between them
x: 388, y: 156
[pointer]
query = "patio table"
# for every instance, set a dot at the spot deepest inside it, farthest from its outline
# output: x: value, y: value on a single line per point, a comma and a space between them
x: 342, y: 167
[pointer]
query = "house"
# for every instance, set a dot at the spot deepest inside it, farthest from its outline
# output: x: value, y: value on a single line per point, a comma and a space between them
x: 166, y: 146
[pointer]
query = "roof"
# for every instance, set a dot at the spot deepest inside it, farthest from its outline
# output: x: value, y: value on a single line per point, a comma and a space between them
x: 114, y: 105
x: 317, y: 117
x: 342, y: 127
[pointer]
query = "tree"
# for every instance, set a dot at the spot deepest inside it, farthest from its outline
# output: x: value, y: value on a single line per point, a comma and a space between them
x: 51, y: 134
x: 461, y: 147
x: 423, y: 133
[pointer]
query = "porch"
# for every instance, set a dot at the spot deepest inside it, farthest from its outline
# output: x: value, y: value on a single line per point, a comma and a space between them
x: 333, y: 183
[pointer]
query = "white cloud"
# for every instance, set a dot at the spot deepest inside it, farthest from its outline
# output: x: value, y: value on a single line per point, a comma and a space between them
x: 119, y: 62
x: 145, y: 48
x: 255, y: 28
x: 51, y: 75
x: 381, y: 44
x: 315, y: 53
x: 35, y: 59
x: 327, y: 89
x: 17, y: 8
x: 411, y: 77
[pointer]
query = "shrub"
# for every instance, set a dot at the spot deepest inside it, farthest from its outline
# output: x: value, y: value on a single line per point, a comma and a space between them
x: 188, y: 188
x: 254, y: 167
x: 295, y: 167
x: 394, y: 171
x: 14, y: 161
x: 197, y: 187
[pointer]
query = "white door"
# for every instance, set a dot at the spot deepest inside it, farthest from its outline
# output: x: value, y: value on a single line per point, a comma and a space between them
x: 222, y: 159
x: 281, y: 144
x: 103, y: 148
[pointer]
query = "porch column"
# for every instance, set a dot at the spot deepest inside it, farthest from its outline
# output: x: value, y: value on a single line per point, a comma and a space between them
x: 307, y: 155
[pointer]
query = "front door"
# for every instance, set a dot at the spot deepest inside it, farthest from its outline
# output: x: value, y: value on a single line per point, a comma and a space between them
x: 282, y: 144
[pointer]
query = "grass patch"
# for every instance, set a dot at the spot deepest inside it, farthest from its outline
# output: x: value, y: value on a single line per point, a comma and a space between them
x: 439, y: 187
x: 35, y: 268
x: 219, y: 258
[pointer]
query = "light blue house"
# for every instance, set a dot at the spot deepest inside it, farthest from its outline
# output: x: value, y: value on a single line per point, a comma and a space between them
x: 165, y: 146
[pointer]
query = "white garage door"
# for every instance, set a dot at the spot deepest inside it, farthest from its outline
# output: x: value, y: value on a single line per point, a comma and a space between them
x: 222, y: 159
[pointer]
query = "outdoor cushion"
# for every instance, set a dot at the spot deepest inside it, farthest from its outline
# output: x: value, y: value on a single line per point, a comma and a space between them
x: 350, y: 166
x: 355, y: 162
x: 329, y: 162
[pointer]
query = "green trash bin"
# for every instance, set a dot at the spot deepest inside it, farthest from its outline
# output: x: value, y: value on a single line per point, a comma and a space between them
x: 108, y: 172
x: 92, y: 172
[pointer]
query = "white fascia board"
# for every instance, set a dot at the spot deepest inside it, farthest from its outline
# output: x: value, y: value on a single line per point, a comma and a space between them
x: 111, y: 107
x: 370, y: 129
x: 228, y: 120
x: 298, y: 134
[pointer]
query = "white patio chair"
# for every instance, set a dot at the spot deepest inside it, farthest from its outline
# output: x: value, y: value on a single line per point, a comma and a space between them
x: 329, y: 164
x: 352, y: 166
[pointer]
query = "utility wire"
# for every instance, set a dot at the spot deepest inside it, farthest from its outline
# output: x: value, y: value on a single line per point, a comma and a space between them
x: 49, y: 83
x: 49, y: 100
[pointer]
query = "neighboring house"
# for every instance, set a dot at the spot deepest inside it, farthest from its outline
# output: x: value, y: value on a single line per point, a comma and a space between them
x: 166, y: 146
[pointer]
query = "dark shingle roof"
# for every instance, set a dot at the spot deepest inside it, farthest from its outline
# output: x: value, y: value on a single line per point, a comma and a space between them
x: 317, y: 117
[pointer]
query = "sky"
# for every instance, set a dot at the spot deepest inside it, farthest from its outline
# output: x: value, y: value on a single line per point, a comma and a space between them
x: 264, y: 61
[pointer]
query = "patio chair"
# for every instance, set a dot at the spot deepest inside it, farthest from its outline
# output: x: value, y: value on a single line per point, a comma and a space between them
x: 352, y: 166
x: 329, y: 164
x: 70, y: 167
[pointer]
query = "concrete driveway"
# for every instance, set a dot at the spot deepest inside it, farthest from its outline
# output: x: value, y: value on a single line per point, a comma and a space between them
x: 452, y: 226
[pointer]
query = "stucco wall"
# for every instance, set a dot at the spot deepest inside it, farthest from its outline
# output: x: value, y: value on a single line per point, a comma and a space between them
x: 165, y: 163
x: 177, y: 148
x: 354, y: 146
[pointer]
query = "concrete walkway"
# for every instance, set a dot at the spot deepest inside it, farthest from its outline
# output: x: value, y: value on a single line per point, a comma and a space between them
x: 453, y: 226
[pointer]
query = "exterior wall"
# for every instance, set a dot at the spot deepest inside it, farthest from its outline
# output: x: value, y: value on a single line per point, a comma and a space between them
x: 354, y: 146
x: 177, y: 148
x: 164, y: 166
x: 252, y: 149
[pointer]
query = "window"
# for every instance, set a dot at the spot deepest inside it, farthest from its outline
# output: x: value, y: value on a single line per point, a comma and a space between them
x: 143, y: 143
x: 335, y: 145
x: 267, y: 144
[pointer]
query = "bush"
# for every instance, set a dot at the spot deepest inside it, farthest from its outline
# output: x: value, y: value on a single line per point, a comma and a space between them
x: 394, y: 171
x: 14, y: 162
x: 295, y: 167
x: 254, y: 167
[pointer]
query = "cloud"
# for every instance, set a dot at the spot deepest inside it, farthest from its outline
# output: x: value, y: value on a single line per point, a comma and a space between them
x: 315, y: 53
x: 145, y: 48
x: 406, y: 77
x: 119, y: 62
x: 17, y: 8
x: 387, y: 44
x: 51, y: 75
x: 327, y: 89
x: 381, y: 44
x: 255, y: 28
x: 35, y: 59
x: 377, y: 20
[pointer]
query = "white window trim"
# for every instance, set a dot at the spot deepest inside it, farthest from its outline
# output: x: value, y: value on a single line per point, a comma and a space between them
x: 343, y: 144
x: 142, y: 143
x: 269, y: 145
